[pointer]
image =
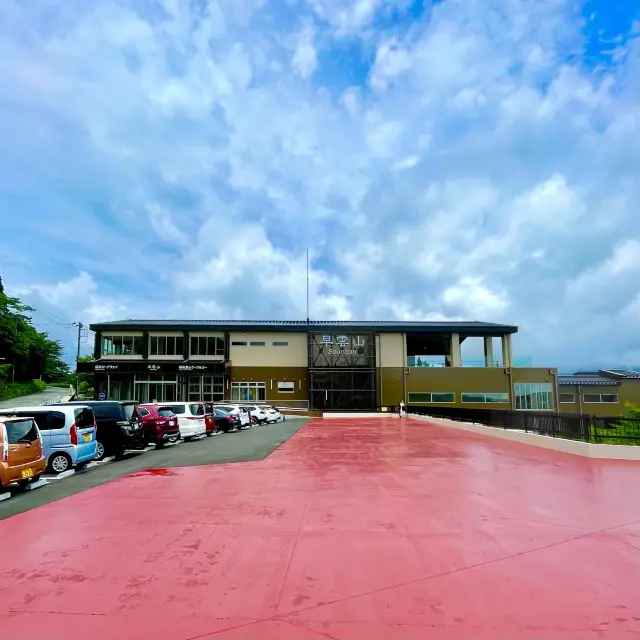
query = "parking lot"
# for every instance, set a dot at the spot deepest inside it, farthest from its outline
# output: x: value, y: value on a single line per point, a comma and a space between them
x: 241, y: 446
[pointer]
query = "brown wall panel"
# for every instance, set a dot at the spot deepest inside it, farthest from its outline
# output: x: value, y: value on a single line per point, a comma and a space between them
x: 271, y: 376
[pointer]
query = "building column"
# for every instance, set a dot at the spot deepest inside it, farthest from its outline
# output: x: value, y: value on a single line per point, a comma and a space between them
x: 455, y: 355
x: 489, y: 360
x: 506, y: 350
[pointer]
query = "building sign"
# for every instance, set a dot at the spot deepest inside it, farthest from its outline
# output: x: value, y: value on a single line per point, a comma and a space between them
x: 341, y: 350
x: 106, y: 367
x: 344, y: 345
x: 141, y: 366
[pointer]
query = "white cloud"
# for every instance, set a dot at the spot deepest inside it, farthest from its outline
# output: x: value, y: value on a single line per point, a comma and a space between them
x: 305, y: 60
x: 463, y: 164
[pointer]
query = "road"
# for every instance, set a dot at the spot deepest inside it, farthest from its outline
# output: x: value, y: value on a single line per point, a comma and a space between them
x: 34, y: 398
x: 243, y: 446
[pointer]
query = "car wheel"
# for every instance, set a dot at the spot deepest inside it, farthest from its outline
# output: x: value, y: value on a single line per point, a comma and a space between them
x: 119, y: 454
x: 59, y: 462
x: 99, y: 451
x: 254, y: 420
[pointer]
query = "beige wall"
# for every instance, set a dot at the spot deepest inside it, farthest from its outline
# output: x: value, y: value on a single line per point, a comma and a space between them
x: 293, y: 355
x: 627, y: 391
x: 390, y: 350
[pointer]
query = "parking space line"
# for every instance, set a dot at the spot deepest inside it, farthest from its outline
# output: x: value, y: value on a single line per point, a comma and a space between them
x: 36, y: 485
x: 5, y: 496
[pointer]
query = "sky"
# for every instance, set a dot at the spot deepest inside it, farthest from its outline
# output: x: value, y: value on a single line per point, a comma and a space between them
x: 440, y: 160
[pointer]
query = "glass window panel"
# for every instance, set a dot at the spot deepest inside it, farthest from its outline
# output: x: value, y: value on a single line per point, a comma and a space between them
x: 179, y: 346
x: 211, y: 346
x: 194, y: 346
x: 419, y: 396
x: 609, y: 397
x: 137, y: 345
x: 591, y: 397
x: 567, y: 397
x: 127, y: 345
x: 153, y: 346
x: 496, y: 397
x: 117, y: 345
x: 219, y: 346
x: 171, y: 345
x: 443, y: 397
x: 473, y: 397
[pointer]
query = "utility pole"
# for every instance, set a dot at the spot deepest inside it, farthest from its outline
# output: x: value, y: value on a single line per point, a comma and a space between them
x: 78, y: 356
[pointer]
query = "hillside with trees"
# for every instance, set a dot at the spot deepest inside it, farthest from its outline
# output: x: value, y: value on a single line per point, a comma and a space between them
x: 26, y: 354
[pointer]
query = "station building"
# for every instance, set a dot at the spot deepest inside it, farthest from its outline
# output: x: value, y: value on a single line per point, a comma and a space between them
x: 327, y: 366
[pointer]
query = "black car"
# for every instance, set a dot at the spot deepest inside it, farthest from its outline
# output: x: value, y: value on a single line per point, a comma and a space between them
x: 225, y: 422
x: 119, y: 426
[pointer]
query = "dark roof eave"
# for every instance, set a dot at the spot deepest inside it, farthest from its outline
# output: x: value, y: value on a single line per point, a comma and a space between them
x: 466, y: 328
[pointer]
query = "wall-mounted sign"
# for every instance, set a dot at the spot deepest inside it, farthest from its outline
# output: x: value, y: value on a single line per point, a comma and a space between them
x: 341, y: 350
x: 141, y: 366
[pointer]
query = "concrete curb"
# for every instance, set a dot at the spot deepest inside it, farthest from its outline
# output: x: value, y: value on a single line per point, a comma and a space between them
x: 574, y: 447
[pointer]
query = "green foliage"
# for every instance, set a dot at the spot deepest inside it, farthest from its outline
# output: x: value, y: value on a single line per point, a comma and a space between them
x: 632, y: 410
x: 25, y: 353
x: 17, y: 389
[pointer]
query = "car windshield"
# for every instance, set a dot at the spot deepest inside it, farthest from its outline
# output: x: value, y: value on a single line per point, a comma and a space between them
x: 21, y: 431
x: 165, y: 412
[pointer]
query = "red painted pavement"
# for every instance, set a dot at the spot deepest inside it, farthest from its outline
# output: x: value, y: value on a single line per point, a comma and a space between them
x: 364, y: 528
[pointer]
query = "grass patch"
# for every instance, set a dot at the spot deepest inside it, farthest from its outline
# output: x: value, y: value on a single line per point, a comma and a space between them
x: 9, y: 390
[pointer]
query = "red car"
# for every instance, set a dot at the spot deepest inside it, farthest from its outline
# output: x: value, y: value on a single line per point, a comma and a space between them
x: 159, y: 424
x: 209, y: 423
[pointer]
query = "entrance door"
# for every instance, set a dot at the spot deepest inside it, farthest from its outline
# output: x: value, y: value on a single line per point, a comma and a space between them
x: 343, y: 390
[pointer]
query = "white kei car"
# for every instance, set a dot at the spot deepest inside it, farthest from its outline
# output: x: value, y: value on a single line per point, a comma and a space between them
x: 237, y: 410
x: 190, y: 419
x: 273, y: 415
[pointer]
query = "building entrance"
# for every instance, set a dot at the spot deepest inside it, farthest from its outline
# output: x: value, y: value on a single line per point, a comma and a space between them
x: 342, y: 372
x: 343, y: 390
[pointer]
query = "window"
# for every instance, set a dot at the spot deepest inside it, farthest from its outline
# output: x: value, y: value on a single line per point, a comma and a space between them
x: 166, y: 346
x: 485, y: 398
x: 238, y: 344
x: 21, y: 431
x: 257, y: 344
x: 121, y: 346
x: 84, y: 418
x: 286, y: 387
x: 280, y: 344
x: 143, y: 411
x: 165, y: 412
x: 419, y: 397
x: 596, y: 398
x: 567, y: 398
x: 207, y: 346
x: 533, y: 396
x: 248, y: 391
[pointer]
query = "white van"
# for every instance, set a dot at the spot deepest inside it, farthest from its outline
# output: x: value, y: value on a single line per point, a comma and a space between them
x: 190, y: 418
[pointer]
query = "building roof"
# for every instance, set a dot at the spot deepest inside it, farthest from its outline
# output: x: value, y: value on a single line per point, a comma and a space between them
x: 466, y: 328
x: 621, y: 373
x: 587, y: 380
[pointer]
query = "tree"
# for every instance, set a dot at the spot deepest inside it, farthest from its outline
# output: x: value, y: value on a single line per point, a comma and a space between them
x: 30, y: 353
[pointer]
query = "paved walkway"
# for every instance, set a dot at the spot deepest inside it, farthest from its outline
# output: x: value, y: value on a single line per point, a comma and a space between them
x: 368, y: 528
x: 34, y: 398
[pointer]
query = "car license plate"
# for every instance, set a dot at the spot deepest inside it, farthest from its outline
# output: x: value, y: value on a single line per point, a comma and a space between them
x: 87, y: 437
x: 27, y: 473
